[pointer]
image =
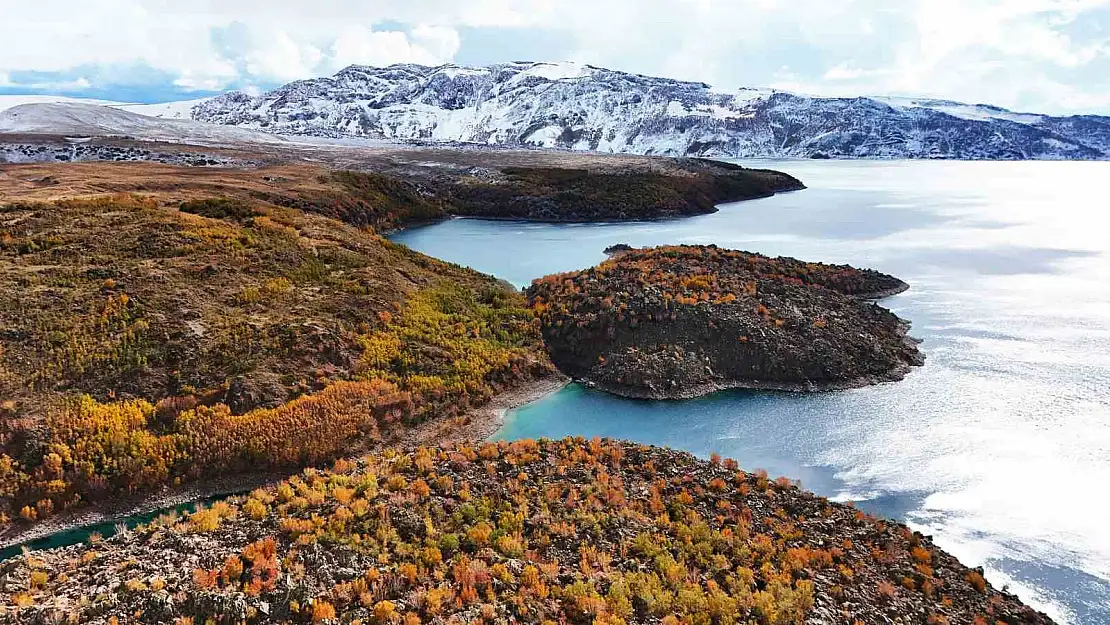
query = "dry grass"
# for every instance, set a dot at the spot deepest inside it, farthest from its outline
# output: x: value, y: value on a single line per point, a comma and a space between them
x: 48, y: 182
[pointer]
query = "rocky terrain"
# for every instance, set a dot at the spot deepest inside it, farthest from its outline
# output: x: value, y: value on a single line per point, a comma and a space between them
x: 569, y: 531
x: 683, y: 321
x: 188, y: 326
x: 580, y: 107
x: 47, y: 153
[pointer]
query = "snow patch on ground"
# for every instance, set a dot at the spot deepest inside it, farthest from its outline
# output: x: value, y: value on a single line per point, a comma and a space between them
x: 677, y: 109
x: 970, y: 112
x: 454, y: 71
x: 545, y: 136
x: 165, y: 110
x: 558, y: 71
x: 745, y: 97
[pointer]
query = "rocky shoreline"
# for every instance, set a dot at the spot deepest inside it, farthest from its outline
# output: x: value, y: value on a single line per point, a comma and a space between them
x: 883, y: 294
x: 681, y: 322
x: 712, y: 388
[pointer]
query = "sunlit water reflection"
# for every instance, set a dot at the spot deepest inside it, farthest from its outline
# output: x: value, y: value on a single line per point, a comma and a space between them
x: 999, y: 447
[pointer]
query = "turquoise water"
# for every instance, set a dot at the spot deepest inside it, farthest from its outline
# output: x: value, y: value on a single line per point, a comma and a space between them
x: 106, y: 529
x: 999, y: 447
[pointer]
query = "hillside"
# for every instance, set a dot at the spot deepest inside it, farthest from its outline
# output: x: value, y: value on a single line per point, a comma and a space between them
x: 580, y: 195
x: 570, y: 531
x: 154, y: 342
x: 682, y: 321
x: 173, y: 323
x: 199, y: 326
x: 387, y: 187
x: 10, y: 101
x: 582, y: 107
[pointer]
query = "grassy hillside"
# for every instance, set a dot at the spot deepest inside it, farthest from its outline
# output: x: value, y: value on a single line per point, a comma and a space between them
x: 174, y: 324
x: 152, y: 341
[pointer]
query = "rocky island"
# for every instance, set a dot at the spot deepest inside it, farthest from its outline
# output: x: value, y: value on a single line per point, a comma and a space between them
x: 570, y: 531
x: 684, y: 321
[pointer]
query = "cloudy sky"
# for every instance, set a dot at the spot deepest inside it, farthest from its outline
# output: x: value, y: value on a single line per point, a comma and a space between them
x: 1040, y: 55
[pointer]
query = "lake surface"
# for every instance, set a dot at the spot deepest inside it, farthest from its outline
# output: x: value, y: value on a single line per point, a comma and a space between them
x: 999, y: 447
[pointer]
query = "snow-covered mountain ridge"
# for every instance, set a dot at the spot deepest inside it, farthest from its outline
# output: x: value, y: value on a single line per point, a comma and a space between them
x: 581, y: 107
x: 573, y: 106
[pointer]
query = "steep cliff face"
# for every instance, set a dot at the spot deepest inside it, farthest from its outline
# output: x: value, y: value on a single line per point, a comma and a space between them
x: 679, y: 322
x: 588, y: 108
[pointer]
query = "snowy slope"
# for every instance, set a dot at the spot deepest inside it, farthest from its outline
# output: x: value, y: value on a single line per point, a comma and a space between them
x: 93, y: 120
x: 168, y: 110
x: 165, y: 110
x: 9, y: 101
x: 974, y: 112
x: 575, y: 106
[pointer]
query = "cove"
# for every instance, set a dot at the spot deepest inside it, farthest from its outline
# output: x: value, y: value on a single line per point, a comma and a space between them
x: 996, y: 447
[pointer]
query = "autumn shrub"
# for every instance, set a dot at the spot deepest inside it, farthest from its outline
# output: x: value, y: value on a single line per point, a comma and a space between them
x: 975, y: 578
x: 220, y: 208
x: 125, y: 381
x: 547, y: 531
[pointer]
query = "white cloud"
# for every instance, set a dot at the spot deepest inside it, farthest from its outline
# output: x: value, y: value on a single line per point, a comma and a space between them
x: 360, y: 45
x: 208, y: 44
x: 1046, y: 54
x: 442, y: 42
x: 276, y: 54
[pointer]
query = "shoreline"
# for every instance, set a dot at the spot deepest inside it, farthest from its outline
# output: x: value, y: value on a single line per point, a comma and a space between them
x: 480, y: 423
x: 881, y: 295
x: 699, y: 391
x: 122, y: 509
x: 484, y: 421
